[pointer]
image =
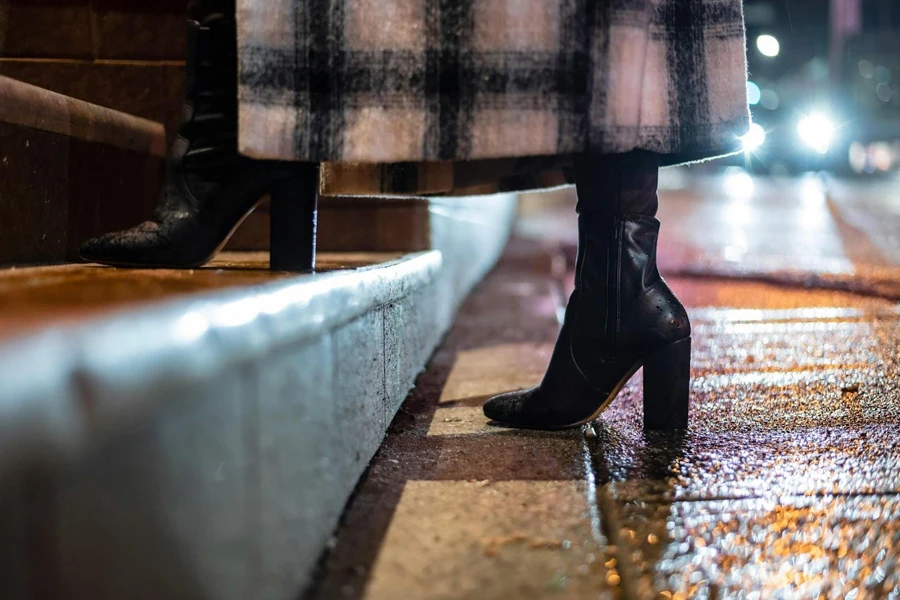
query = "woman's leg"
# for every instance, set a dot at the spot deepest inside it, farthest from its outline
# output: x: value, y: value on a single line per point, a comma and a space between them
x: 209, y: 187
x: 621, y: 315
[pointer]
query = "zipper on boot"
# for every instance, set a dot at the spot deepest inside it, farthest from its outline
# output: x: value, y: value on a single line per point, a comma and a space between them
x: 613, y: 275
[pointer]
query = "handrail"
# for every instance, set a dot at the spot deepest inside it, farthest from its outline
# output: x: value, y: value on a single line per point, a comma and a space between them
x: 38, y: 108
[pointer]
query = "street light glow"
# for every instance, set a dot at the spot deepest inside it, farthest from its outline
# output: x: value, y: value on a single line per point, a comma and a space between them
x: 768, y: 45
x: 816, y: 131
x: 754, y: 138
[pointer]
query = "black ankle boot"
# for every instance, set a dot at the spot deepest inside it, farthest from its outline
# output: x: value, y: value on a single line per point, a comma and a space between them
x: 621, y: 315
x: 209, y: 187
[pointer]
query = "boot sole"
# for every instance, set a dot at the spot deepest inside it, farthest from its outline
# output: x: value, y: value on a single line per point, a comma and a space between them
x: 612, y: 396
x: 669, y: 369
x: 603, y: 406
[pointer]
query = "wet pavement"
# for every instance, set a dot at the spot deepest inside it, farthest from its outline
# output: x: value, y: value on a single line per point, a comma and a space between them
x: 786, y: 485
x: 804, y: 231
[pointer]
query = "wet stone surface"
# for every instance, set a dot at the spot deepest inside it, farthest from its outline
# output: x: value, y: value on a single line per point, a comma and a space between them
x: 786, y: 482
x: 778, y: 407
x: 789, y: 547
x: 786, y: 485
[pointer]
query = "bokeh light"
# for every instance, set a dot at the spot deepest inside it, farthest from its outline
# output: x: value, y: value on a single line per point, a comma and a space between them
x: 739, y: 185
x: 881, y: 156
x: 754, y: 94
x: 769, y: 99
x: 816, y: 130
x: 768, y: 45
x: 866, y: 68
x: 858, y: 157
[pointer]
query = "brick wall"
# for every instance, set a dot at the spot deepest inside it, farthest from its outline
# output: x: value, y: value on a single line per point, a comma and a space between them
x: 123, y: 54
x: 128, y: 55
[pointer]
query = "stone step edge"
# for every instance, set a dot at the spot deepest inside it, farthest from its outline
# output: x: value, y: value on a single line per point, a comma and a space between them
x: 35, y: 107
x: 67, y: 389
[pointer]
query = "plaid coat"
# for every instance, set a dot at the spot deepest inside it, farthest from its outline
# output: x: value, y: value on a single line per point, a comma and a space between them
x: 382, y: 82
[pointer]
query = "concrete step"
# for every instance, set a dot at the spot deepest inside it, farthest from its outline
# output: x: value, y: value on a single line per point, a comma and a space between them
x: 203, y: 443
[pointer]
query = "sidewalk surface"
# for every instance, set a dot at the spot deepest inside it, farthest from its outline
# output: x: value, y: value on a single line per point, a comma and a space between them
x: 786, y: 484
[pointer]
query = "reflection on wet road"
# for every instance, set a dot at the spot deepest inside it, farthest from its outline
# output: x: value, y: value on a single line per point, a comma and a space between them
x: 785, y: 486
x: 786, y: 482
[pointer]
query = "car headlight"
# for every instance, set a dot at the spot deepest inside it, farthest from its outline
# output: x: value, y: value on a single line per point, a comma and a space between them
x: 816, y: 131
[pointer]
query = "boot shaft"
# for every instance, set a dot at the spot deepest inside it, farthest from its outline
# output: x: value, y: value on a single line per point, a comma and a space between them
x: 617, y: 228
x: 211, y: 74
x: 617, y: 184
x: 611, y: 189
x: 206, y: 150
x: 203, y: 11
x: 204, y: 160
x: 620, y: 303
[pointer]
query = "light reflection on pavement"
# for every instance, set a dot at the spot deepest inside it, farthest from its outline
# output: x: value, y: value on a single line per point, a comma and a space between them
x: 786, y: 485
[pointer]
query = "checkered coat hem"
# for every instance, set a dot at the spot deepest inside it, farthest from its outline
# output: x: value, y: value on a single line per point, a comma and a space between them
x: 377, y: 82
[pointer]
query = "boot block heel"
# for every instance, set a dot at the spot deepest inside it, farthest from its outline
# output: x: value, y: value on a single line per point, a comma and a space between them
x: 292, y: 230
x: 667, y: 383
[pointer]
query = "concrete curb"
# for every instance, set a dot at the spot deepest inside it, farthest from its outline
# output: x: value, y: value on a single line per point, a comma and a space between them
x: 64, y: 389
x: 206, y: 447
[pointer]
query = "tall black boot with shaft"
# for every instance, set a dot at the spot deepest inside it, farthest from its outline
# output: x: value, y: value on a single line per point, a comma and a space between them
x: 621, y: 316
x: 209, y: 187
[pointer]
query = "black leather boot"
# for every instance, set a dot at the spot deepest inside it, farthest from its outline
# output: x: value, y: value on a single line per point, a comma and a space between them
x: 209, y: 187
x: 621, y: 316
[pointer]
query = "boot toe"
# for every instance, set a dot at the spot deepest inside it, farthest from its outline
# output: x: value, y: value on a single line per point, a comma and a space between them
x: 139, y: 246
x: 100, y: 248
x: 497, y: 408
x: 509, y: 409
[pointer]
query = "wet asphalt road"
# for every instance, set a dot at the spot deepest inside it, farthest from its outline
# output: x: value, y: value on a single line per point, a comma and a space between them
x: 786, y: 484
